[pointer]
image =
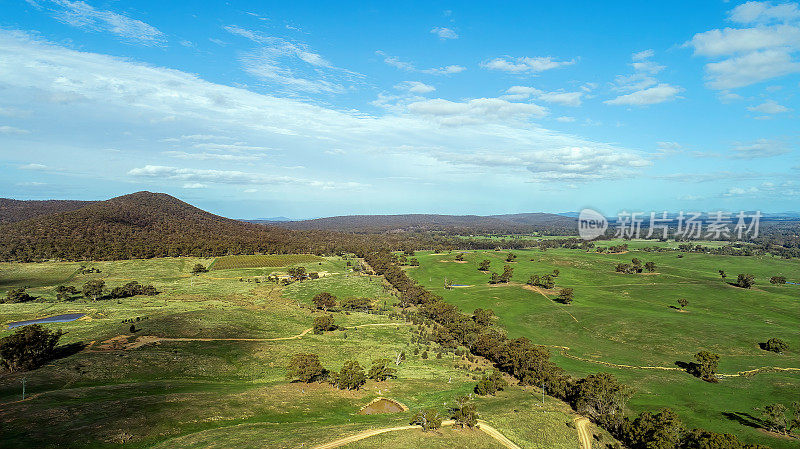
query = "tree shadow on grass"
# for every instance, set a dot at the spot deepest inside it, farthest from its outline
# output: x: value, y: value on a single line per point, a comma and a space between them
x: 67, y: 350
x: 745, y: 419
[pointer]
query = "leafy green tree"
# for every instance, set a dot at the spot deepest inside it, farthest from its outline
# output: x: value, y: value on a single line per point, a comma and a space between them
x: 683, y: 302
x: 28, y: 348
x: 650, y: 267
x: 636, y: 264
x: 484, y: 265
x: 777, y: 280
x: 483, y: 317
x: 16, y: 295
x: 601, y: 398
x: 460, y: 257
x: 413, y: 262
x: 350, y: 377
x: 199, y: 268
x: 565, y: 296
x: 511, y: 257
x: 94, y: 288
x: 324, y: 323
x: 360, y: 303
x: 508, y: 272
x: 662, y: 430
x: 324, y: 301
x: 776, y: 345
x: 722, y: 274
x: 491, y: 384
x: 745, y: 280
x: 494, y: 278
x: 774, y: 416
x: 706, y: 365
x: 381, y: 370
x: 429, y: 419
x: 65, y: 292
x: 464, y: 413
x: 305, y: 367
x: 556, y: 272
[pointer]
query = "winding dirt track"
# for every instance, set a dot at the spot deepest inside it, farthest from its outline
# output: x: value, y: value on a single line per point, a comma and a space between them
x: 121, y: 341
x: 582, y: 424
x: 482, y: 425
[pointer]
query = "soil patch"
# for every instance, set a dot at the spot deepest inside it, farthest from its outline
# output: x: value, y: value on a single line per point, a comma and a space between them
x: 382, y: 405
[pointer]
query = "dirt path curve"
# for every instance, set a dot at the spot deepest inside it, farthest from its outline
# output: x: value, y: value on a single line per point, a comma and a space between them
x: 482, y: 425
x: 121, y: 341
x: 585, y: 437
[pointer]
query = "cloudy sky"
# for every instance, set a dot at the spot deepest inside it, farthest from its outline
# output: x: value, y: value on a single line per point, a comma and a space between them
x: 305, y: 109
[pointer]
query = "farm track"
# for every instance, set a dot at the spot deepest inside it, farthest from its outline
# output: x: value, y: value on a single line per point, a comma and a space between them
x: 482, y: 426
x: 120, y: 341
x: 585, y: 437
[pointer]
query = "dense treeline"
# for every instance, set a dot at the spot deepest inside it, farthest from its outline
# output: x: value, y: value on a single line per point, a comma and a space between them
x: 12, y: 211
x: 598, y: 396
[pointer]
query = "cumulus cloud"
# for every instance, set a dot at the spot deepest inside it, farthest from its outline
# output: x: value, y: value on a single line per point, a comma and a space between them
x: 763, y: 48
x: 525, y: 64
x: 654, y: 95
x: 82, y: 15
x: 769, y: 107
x: 560, y: 97
x: 4, y: 129
x: 440, y: 135
x: 444, y: 33
x: 415, y: 87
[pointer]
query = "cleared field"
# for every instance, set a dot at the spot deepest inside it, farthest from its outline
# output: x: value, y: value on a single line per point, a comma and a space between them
x: 205, y: 392
x: 634, y: 320
x: 262, y: 260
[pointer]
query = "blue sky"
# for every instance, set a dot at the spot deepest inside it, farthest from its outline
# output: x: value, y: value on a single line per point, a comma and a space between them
x: 305, y: 109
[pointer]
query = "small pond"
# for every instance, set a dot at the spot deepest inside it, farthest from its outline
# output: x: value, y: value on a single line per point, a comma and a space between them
x: 51, y: 319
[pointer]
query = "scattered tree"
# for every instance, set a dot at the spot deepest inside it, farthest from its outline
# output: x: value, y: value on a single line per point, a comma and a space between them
x: 494, y: 278
x: 460, y: 257
x: 601, y: 398
x: 305, y: 367
x: 776, y: 345
x: 199, y: 268
x: 324, y: 301
x: 133, y: 288
x: 94, y: 288
x: 65, y: 292
x: 28, y: 348
x: 381, y: 370
x: 357, y: 303
x: 491, y: 384
x: 429, y: 419
x: 351, y: 376
x: 776, y: 419
x: 650, y: 267
x: 745, y: 280
x: 722, y: 274
x: 16, y: 295
x: 483, y: 317
x: 507, y: 273
x: 484, y: 265
x: 324, y: 323
x: 511, y: 257
x: 706, y: 366
x: 777, y: 280
x: 565, y: 296
x: 556, y: 272
x: 683, y: 302
x: 464, y: 413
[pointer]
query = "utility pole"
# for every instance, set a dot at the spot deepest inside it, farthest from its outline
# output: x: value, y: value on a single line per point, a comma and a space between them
x: 23, y: 388
x: 542, y: 394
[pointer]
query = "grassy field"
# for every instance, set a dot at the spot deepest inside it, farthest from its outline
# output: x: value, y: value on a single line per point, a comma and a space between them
x: 217, y: 393
x: 628, y: 319
x: 261, y: 260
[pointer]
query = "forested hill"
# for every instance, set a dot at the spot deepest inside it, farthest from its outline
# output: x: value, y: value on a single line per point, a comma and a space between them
x: 18, y: 210
x: 472, y: 224
x: 145, y: 224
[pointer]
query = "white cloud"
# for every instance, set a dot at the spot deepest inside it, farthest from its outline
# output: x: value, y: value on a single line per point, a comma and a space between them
x: 761, y: 12
x: 396, y: 62
x: 762, y: 148
x: 750, y: 68
x: 761, y: 51
x: 566, y: 119
x: 642, y: 55
x: 654, y: 95
x: 292, y: 65
x: 415, y: 87
x: 560, y: 97
x: 769, y: 107
x: 82, y: 15
x: 445, y: 137
x: 444, y: 33
x: 194, y: 185
x: 525, y: 64
x: 35, y: 166
x: 12, y: 130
